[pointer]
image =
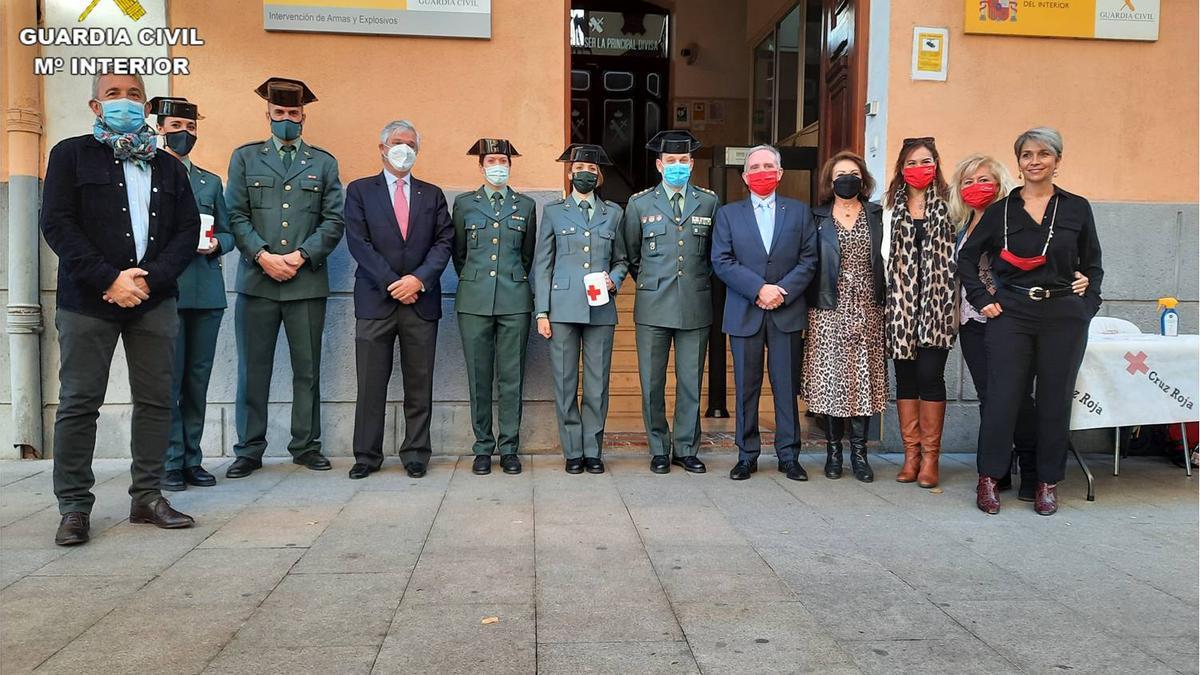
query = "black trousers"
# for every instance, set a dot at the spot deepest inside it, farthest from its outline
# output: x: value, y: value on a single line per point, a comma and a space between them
x: 86, y: 345
x: 783, y: 352
x: 374, y: 344
x: 923, y: 377
x: 971, y: 335
x: 1044, y: 340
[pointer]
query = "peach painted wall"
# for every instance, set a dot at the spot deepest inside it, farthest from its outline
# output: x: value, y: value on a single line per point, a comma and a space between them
x: 1127, y: 110
x: 453, y: 90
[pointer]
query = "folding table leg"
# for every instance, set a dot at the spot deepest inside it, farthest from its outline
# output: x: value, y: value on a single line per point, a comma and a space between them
x: 1091, y: 480
x: 1116, y: 451
x: 1187, y: 451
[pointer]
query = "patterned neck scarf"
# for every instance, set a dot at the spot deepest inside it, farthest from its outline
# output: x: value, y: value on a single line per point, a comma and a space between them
x: 921, y: 309
x: 138, y: 146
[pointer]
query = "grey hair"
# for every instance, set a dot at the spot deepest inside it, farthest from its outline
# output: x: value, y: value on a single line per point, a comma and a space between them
x: 103, y: 72
x: 1044, y: 136
x: 399, y: 125
x: 773, y: 149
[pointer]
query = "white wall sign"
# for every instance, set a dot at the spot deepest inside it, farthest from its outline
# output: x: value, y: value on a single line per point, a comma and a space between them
x: 930, y: 49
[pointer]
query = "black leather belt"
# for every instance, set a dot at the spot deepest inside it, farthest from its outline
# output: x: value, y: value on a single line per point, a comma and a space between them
x: 1039, y: 293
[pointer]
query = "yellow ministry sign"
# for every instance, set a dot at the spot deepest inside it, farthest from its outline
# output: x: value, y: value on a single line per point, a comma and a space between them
x: 1093, y: 19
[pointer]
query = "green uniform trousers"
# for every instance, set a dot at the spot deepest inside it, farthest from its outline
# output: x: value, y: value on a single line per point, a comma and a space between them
x: 654, y: 350
x: 494, y: 347
x: 581, y: 433
x: 256, y: 324
x: 195, y: 349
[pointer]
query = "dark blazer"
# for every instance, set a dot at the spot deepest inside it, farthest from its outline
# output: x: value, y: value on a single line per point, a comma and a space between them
x: 85, y: 220
x: 822, y: 292
x: 740, y: 261
x: 384, y: 256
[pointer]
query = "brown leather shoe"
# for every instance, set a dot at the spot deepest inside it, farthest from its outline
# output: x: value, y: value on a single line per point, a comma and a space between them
x: 910, y: 431
x: 932, y: 416
x: 985, y: 495
x: 159, y: 513
x: 1045, y: 502
x: 73, y: 530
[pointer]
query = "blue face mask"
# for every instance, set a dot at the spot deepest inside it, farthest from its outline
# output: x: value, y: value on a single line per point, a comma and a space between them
x: 286, y: 130
x: 676, y: 175
x: 123, y: 115
x: 497, y: 174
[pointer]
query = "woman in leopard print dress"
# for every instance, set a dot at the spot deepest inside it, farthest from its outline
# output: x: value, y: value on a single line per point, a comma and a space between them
x: 845, y: 372
x: 922, y: 316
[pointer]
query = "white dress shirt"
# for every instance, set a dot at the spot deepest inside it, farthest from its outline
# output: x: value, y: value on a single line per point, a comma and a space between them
x: 137, y: 191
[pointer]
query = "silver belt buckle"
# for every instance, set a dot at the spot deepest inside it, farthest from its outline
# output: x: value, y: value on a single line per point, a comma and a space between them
x: 1038, y: 293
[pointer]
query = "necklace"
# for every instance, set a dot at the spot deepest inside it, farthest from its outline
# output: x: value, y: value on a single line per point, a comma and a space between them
x: 848, y: 211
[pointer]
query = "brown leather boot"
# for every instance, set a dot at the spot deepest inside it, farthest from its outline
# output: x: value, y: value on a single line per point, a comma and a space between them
x: 907, y: 411
x: 932, y: 416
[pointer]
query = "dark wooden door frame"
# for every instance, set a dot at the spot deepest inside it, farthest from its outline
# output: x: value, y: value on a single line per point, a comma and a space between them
x: 856, y: 46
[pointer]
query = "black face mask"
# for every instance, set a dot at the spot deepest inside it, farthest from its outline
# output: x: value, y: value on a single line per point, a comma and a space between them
x: 180, y: 142
x: 584, y: 181
x: 847, y: 186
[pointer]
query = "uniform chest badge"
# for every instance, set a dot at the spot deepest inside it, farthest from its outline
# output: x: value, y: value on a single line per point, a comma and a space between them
x: 520, y: 218
x: 701, y: 220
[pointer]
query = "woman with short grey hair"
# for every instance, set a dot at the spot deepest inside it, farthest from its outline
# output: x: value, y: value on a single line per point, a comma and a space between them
x: 1037, y: 238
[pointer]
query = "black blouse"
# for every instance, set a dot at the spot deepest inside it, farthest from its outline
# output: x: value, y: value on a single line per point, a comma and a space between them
x: 1074, y: 247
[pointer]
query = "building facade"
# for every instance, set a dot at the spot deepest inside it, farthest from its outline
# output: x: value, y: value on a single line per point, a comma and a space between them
x: 814, y: 76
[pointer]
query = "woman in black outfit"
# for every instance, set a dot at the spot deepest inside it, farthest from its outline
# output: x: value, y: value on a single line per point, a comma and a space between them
x: 1037, y: 239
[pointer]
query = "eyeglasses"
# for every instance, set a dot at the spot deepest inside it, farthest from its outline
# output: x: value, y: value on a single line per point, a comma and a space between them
x: 918, y: 141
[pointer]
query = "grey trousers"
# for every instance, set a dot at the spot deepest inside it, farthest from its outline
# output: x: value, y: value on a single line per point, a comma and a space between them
x: 86, y: 345
x: 581, y: 433
x: 653, y: 352
x: 374, y: 343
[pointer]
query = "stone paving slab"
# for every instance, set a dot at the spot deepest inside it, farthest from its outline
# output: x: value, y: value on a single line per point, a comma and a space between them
x: 294, y: 571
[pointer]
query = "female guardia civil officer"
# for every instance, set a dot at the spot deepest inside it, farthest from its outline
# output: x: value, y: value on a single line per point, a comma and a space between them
x: 580, y: 236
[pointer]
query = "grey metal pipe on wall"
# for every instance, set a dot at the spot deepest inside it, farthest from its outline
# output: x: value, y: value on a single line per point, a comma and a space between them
x: 23, y: 120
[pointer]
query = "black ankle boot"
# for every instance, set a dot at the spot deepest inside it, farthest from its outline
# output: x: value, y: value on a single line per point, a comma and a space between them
x: 858, y: 449
x: 834, y: 429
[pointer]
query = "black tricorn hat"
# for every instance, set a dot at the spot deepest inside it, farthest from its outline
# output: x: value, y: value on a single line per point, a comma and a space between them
x: 493, y: 146
x: 173, y: 106
x: 675, y: 142
x: 585, y: 152
x: 285, y: 92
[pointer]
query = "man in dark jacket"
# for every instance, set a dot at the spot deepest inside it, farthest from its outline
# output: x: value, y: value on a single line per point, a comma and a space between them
x: 399, y: 231
x: 123, y: 221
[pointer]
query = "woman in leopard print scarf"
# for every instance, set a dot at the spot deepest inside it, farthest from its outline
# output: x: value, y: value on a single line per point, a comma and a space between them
x: 921, y: 312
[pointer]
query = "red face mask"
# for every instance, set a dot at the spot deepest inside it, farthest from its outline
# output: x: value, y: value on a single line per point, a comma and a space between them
x: 919, y: 177
x: 1020, y: 263
x: 979, y: 195
x: 762, y: 183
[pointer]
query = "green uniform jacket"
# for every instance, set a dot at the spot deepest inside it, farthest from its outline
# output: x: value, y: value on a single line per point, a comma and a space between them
x: 202, y: 284
x: 669, y: 259
x: 493, y: 253
x: 281, y: 210
x: 570, y: 247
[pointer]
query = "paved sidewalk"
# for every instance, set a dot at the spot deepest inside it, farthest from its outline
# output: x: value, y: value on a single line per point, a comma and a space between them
x: 293, y: 571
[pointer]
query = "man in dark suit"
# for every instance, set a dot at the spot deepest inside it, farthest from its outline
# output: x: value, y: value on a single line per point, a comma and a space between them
x: 399, y: 230
x: 765, y: 250
x: 123, y: 221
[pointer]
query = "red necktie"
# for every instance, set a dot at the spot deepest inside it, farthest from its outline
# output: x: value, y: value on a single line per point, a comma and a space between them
x: 400, y: 204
